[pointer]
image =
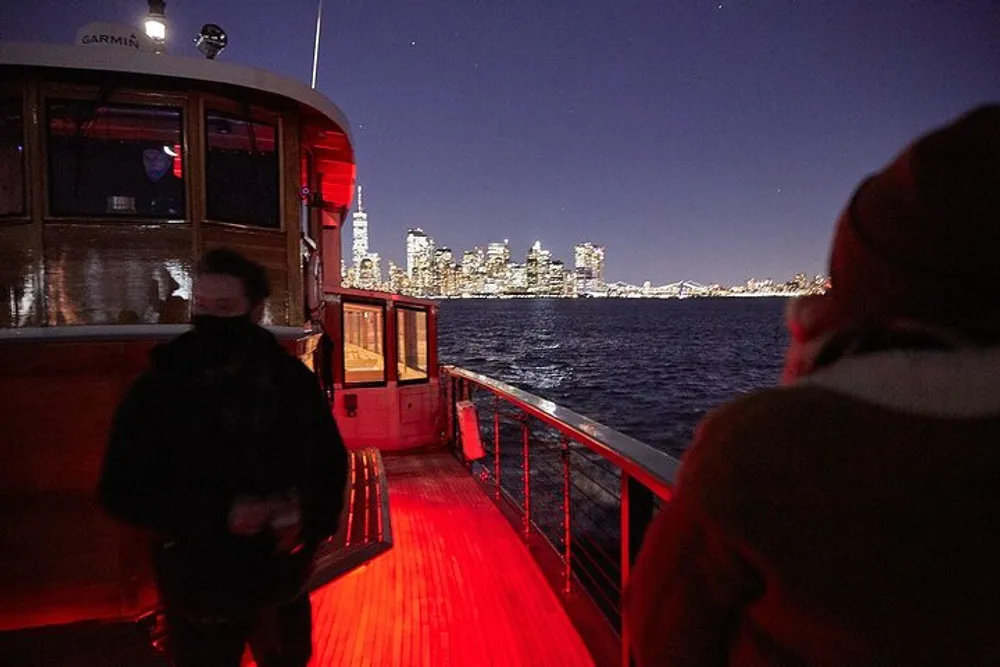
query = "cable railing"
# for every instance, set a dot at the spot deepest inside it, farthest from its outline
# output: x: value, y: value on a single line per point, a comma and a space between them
x: 587, y: 490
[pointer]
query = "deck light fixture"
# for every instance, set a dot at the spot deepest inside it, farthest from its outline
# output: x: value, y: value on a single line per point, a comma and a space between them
x: 156, y: 24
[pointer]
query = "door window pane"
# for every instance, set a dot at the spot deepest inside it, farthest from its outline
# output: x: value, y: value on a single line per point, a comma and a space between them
x: 411, y: 327
x: 11, y: 157
x: 114, y: 160
x: 364, y: 353
x: 241, y: 171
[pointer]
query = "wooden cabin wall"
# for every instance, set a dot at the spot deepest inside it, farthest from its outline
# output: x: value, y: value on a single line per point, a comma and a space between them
x: 291, y: 181
x: 20, y: 292
x: 124, y: 273
x: 61, y: 558
x: 112, y: 264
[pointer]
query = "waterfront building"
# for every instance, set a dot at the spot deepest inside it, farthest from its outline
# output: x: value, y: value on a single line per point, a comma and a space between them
x: 359, y: 233
x: 537, y: 268
x: 588, y: 267
x: 419, y: 255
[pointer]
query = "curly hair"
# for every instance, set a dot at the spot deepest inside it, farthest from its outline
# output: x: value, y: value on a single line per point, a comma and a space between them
x: 226, y: 261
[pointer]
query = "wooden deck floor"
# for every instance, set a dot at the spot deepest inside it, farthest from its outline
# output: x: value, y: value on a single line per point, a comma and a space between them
x: 457, y: 588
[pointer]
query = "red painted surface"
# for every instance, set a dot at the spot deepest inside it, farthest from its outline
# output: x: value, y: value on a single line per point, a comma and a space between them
x: 61, y: 559
x: 468, y: 422
x: 390, y: 416
x: 459, y: 587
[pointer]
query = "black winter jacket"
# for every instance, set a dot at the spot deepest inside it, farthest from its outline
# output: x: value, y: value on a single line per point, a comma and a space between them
x: 198, y: 429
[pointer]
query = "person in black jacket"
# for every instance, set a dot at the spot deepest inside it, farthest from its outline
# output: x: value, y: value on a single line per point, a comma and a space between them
x: 226, y: 451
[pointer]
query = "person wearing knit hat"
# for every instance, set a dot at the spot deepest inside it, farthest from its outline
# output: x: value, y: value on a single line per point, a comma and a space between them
x: 848, y: 517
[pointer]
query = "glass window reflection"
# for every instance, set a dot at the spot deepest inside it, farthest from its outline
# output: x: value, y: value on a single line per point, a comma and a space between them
x: 411, y: 334
x: 114, y: 160
x: 364, y: 353
x: 11, y: 157
x: 241, y: 171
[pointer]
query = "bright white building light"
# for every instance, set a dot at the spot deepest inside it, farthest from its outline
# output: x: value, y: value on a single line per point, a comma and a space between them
x: 156, y: 29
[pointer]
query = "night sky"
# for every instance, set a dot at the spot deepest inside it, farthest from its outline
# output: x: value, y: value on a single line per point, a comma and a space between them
x: 697, y: 140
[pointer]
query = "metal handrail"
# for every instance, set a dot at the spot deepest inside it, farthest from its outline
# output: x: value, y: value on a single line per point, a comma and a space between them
x: 654, y: 469
x: 570, y: 485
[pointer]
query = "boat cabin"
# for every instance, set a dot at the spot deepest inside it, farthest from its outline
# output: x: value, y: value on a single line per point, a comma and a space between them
x: 118, y: 168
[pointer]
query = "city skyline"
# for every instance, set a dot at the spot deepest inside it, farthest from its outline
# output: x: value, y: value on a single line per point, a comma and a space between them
x: 487, y: 269
x: 713, y: 140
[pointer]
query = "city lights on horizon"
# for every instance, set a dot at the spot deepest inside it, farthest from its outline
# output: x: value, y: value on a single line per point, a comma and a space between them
x: 488, y: 271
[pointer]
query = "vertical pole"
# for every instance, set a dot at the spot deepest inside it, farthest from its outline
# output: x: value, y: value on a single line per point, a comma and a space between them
x: 453, y: 411
x: 637, y: 514
x: 496, y: 447
x: 567, y: 521
x: 626, y: 561
x: 319, y: 24
x: 640, y: 515
x: 526, y: 455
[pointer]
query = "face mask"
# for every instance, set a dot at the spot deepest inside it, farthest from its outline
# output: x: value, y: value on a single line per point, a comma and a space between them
x: 223, y: 330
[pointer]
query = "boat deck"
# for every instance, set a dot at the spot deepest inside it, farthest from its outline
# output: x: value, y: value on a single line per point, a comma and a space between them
x: 459, y: 586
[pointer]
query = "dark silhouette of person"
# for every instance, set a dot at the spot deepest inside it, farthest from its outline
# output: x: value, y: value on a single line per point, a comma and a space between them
x: 226, y: 451
x: 849, y: 517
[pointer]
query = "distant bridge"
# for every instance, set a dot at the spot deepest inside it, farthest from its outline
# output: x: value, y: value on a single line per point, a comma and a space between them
x: 685, y: 285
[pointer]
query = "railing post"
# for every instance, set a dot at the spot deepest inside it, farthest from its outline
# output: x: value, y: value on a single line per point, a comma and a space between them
x: 567, y: 520
x: 452, y: 411
x: 526, y: 455
x: 497, y: 471
x: 637, y: 513
x: 626, y: 561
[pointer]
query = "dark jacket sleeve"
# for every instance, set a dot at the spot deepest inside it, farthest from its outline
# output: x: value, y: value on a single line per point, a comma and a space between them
x: 689, y: 585
x: 328, y: 470
x: 137, y: 483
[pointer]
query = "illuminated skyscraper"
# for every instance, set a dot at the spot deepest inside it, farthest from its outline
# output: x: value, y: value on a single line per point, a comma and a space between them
x: 419, y: 261
x: 497, y: 259
x: 398, y: 281
x: 556, y: 279
x: 473, y: 271
x: 443, y: 280
x: 538, y: 269
x: 359, y: 229
x: 417, y: 251
x: 518, y: 283
x: 366, y: 274
x: 369, y: 272
x: 588, y: 267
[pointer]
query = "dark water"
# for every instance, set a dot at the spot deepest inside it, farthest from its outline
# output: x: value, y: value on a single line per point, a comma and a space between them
x: 649, y: 368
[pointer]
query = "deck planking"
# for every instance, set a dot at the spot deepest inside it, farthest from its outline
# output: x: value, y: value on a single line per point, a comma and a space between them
x: 459, y: 586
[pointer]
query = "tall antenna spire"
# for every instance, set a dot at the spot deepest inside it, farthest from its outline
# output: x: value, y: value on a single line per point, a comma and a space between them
x: 361, y: 206
x: 319, y: 24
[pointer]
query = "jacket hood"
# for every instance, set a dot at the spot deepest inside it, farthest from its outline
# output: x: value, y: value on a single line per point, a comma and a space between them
x: 953, y: 384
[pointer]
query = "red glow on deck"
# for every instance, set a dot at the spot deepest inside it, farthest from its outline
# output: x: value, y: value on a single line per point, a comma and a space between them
x: 458, y: 587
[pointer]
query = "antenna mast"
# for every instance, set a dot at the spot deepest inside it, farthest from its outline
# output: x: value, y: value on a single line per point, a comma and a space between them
x: 319, y: 24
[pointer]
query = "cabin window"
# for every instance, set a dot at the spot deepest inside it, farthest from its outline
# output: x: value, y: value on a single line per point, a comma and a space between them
x: 241, y: 171
x: 11, y: 157
x: 411, y: 334
x: 364, y: 344
x: 114, y: 160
